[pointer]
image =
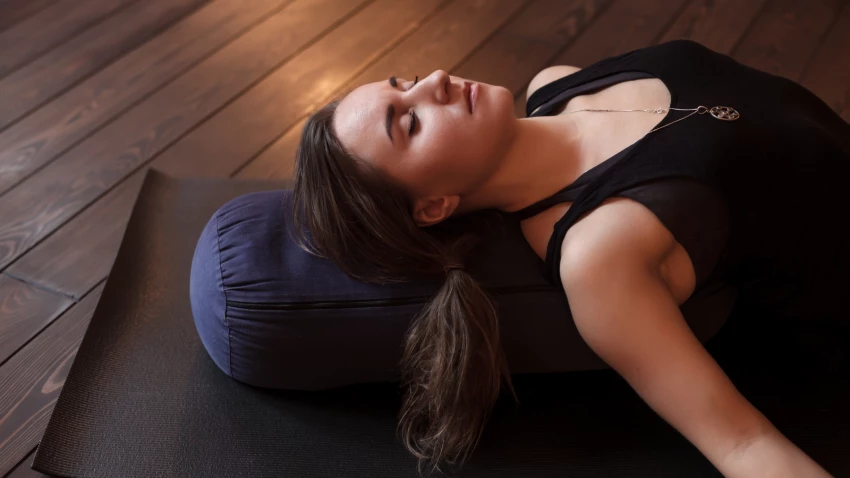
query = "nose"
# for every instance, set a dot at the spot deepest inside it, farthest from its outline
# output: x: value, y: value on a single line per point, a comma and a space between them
x: 435, y: 86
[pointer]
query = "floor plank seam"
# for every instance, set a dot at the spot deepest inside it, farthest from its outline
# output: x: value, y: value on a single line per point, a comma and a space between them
x: 36, y: 285
x: 153, y: 34
x: 392, y: 46
x: 50, y: 324
x: 73, y: 34
x: 238, y: 95
x: 28, y: 16
x: 560, y: 51
x: 824, y: 36
x: 259, y: 153
x: 495, y: 32
x: 20, y: 463
x: 672, y: 21
x: 734, y: 50
x: 144, y: 97
x: 145, y: 163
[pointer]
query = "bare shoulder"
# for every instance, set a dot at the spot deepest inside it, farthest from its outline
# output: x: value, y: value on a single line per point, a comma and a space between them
x: 620, y: 232
x: 617, y: 226
x: 548, y: 75
x: 617, y: 232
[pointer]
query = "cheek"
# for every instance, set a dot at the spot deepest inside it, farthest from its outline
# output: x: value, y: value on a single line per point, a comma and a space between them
x: 451, y: 171
x: 451, y: 154
x: 427, y: 171
x: 450, y: 150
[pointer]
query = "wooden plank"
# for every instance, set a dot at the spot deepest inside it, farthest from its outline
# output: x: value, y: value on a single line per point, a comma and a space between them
x: 14, y: 11
x: 717, y: 24
x: 278, y: 160
x: 31, y: 380
x: 445, y: 42
x: 235, y: 135
x: 828, y: 75
x: 24, y: 311
x: 40, y: 137
x: 50, y: 27
x: 46, y: 200
x: 517, y: 52
x: 509, y: 58
x: 786, y: 35
x: 32, y: 85
x: 24, y: 470
x: 81, y: 253
x: 625, y: 26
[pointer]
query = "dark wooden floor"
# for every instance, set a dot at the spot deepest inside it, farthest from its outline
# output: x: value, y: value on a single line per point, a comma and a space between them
x: 94, y: 92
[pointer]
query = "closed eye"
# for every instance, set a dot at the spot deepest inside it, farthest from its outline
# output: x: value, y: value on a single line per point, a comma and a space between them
x: 413, y: 119
x: 412, y: 122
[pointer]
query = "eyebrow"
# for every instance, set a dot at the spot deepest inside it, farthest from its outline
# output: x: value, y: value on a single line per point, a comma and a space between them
x: 391, y: 111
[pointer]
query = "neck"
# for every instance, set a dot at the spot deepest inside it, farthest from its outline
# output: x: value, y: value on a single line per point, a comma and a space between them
x: 545, y: 155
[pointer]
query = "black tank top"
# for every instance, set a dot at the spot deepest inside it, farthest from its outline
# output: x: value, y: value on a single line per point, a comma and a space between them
x: 758, y: 203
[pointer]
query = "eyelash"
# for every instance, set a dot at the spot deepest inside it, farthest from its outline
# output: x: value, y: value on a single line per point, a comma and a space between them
x: 412, y: 113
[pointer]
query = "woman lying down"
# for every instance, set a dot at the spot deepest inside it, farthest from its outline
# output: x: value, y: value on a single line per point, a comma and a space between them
x: 637, y: 180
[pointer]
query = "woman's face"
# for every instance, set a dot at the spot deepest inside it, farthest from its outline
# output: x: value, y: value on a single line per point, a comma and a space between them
x: 451, y: 149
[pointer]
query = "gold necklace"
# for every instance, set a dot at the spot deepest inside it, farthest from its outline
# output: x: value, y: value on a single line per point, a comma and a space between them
x: 725, y: 113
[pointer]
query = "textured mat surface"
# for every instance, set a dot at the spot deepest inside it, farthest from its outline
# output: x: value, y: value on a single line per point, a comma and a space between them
x: 143, y: 398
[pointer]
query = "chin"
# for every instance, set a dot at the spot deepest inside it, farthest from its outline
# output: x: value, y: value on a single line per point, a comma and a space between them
x: 500, y: 109
x: 494, y: 101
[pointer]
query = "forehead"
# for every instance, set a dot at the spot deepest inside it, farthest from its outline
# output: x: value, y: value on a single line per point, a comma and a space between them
x: 359, y: 121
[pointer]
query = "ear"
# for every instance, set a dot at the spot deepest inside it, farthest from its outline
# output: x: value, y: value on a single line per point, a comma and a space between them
x: 431, y: 210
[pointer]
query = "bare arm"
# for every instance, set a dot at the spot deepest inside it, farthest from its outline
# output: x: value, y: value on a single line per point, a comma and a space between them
x: 610, y: 270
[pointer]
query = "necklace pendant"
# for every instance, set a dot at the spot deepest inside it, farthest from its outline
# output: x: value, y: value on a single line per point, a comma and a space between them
x: 725, y: 113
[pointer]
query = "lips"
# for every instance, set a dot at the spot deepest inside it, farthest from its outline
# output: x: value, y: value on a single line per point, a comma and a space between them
x: 467, y: 95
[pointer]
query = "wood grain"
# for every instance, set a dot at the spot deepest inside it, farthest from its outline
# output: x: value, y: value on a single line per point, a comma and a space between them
x: 278, y: 160
x: 83, y: 174
x: 446, y: 41
x: 637, y: 24
x: 828, y: 74
x: 786, y: 35
x: 24, y: 311
x: 509, y: 58
x: 49, y: 131
x: 517, y: 52
x: 96, y: 233
x: 30, y: 382
x: 14, y: 11
x: 50, y: 27
x: 717, y: 24
x: 81, y: 254
x: 58, y: 69
x: 23, y: 470
x: 238, y: 132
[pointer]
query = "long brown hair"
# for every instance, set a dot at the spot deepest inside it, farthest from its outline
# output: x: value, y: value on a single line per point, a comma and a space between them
x: 453, y: 362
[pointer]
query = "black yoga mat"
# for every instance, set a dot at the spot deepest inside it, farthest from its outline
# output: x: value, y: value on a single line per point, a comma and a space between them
x: 143, y: 398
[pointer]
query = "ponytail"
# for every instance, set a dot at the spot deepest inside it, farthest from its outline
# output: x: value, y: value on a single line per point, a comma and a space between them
x: 452, y: 366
